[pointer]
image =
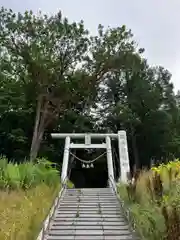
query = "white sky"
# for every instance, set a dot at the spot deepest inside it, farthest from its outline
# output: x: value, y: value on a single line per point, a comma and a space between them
x: 155, y: 23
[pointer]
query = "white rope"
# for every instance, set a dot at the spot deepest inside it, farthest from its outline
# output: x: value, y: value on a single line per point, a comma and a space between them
x: 87, y: 161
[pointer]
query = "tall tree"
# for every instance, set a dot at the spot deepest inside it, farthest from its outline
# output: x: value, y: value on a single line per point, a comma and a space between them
x: 44, y: 52
x: 141, y: 101
x: 53, y: 73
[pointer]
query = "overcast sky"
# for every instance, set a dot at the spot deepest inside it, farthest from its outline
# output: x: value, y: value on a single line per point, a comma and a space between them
x: 155, y: 23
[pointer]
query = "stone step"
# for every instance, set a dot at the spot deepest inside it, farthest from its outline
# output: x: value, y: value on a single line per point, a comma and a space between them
x: 129, y: 237
x: 88, y: 227
x: 89, y: 189
x: 88, y: 197
x: 89, y: 223
x: 77, y: 203
x: 90, y: 219
x: 105, y: 190
x: 88, y: 211
x: 85, y: 232
x: 97, y: 199
x: 88, y: 207
x: 90, y: 200
x: 88, y: 204
x: 88, y: 214
x: 89, y: 192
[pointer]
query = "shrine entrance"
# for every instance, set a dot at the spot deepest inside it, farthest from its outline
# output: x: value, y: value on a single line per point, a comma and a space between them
x: 84, y: 170
x: 89, y: 174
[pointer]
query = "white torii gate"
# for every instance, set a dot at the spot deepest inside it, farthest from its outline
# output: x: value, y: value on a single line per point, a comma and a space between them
x: 122, y: 144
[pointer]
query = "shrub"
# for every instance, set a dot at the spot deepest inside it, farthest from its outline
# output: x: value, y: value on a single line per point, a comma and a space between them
x: 27, y: 193
x: 154, y: 201
x: 27, y: 175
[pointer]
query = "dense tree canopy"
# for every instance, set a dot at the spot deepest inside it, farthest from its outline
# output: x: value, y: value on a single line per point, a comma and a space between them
x: 54, y: 75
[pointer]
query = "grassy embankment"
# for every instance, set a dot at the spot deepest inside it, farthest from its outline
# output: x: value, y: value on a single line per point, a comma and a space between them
x: 154, y: 202
x: 27, y: 192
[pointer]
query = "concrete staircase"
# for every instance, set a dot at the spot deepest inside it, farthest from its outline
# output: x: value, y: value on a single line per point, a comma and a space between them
x: 89, y: 214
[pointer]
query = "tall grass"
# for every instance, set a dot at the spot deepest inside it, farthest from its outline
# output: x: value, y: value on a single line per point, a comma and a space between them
x: 22, y: 212
x: 154, y: 202
x: 27, y: 191
x: 27, y: 175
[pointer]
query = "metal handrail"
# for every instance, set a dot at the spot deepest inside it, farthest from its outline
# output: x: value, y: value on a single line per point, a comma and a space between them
x: 126, y: 211
x: 64, y: 183
x: 51, y: 213
x: 112, y: 184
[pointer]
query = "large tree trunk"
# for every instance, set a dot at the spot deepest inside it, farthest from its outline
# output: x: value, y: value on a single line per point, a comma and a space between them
x: 39, y: 128
x: 36, y: 146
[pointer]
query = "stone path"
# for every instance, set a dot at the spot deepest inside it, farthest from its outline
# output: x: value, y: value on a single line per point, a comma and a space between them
x: 92, y: 214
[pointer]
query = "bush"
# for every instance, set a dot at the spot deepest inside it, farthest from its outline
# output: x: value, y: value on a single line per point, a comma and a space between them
x: 27, y: 175
x: 27, y: 192
x: 154, y: 201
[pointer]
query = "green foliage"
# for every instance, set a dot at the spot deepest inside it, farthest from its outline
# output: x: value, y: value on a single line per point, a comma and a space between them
x: 154, y: 205
x: 51, y: 76
x: 27, y: 175
x: 70, y: 184
x: 22, y: 212
x: 140, y: 100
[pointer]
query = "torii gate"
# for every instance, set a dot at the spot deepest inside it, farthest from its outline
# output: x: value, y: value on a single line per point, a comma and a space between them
x: 122, y: 144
